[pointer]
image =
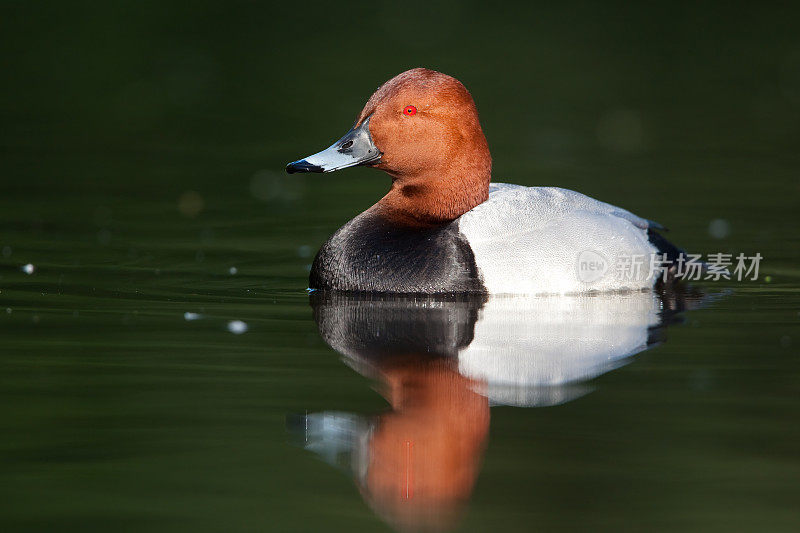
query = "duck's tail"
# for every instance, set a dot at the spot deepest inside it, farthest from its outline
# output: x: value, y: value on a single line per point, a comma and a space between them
x: 664, y: 246
x: 675, y: 257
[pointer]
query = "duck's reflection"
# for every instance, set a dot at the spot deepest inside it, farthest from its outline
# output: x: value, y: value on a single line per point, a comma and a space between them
x: 441, y: 363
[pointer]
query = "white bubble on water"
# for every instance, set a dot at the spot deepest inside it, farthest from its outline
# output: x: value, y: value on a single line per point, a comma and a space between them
x: 719, y: 228
x: 29, y: 269
x: 232, y: 271
x: 237, y: 327
x: 188, y: 315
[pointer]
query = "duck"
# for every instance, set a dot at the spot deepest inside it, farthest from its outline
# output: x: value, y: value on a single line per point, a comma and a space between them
x: 445, y: 228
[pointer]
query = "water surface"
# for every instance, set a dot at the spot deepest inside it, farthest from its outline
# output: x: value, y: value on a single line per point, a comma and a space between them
x: 142, y: 154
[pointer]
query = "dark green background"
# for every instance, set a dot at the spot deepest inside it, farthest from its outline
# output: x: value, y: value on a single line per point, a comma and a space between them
x: 118, y: 414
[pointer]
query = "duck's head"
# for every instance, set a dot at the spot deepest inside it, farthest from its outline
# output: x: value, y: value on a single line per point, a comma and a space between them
x: 422, y: 128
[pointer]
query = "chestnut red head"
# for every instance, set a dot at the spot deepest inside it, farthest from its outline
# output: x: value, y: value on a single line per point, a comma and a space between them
x: 422, y: 128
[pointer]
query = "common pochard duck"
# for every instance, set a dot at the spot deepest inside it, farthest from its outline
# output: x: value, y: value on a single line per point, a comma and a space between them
x: 443, y: 227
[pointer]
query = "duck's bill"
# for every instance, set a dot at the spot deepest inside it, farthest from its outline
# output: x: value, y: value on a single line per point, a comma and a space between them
x: 355, y: 148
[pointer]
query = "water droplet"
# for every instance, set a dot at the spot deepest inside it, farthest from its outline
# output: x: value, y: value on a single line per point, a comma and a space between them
x: 237, y: 326
x: 719, y: 228
x: 29, y: 269
x: 232, y: 271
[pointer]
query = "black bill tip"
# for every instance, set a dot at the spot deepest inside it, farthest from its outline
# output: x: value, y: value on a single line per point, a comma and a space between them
x: 302, y: 165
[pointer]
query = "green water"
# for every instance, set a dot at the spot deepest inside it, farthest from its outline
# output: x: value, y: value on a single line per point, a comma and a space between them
x: 141, y: 156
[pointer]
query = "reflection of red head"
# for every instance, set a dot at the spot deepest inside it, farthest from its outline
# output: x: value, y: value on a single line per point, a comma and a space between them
x: 425, y: 454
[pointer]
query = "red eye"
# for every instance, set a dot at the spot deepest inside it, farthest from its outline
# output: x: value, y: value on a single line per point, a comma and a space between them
x: 410, y: 110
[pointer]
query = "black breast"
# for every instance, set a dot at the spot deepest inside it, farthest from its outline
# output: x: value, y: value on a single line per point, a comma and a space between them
x: 371, y: 254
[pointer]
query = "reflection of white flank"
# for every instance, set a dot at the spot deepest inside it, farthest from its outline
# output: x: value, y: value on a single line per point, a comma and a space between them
x: 534, y: 351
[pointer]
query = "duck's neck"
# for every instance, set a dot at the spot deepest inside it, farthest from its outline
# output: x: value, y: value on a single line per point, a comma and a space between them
x: 436, y: 197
